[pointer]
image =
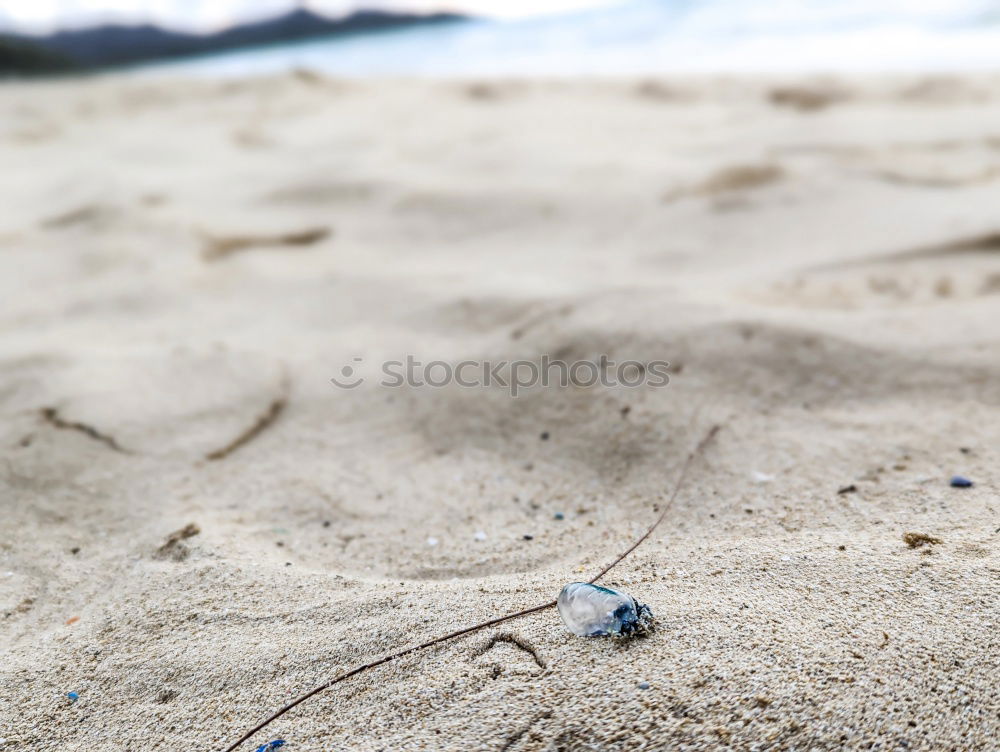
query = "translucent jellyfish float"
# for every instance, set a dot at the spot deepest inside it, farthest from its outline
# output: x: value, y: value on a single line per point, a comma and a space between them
x: 594, y: 611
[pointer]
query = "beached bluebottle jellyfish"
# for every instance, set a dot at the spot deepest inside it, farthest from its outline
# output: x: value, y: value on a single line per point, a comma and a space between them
x: 594, y: 611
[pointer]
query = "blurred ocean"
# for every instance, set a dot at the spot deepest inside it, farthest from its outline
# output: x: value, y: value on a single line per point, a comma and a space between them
x: 651, y: 36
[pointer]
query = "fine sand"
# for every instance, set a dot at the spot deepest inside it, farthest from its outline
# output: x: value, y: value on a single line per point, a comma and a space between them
x: 186, y: 264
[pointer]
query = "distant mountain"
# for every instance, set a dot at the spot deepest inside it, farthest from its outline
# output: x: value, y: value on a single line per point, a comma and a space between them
x: 110, y: 45
x: 24, y: 58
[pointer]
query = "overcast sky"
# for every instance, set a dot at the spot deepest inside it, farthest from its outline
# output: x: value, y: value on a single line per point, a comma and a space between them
x: 43, y: 15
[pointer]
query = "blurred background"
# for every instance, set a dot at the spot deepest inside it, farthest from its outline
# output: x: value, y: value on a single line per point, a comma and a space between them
x: 500, y: 37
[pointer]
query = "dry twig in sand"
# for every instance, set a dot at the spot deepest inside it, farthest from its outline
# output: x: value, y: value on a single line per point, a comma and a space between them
x: 51, y: 416
x: 219, y: 247
x: 916, y: 540
x: 695, y: 453
x: 266, y: 419
x: 173, y: 547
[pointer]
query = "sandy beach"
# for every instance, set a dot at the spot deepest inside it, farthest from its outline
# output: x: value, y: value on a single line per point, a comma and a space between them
x: 198, y: 525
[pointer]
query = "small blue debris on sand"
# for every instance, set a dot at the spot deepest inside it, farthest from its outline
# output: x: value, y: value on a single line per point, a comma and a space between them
x: 558, y: 516
x: 643, y: 685
x: 271, y: 745
x: 959, y: 481
x: 73, y: 696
